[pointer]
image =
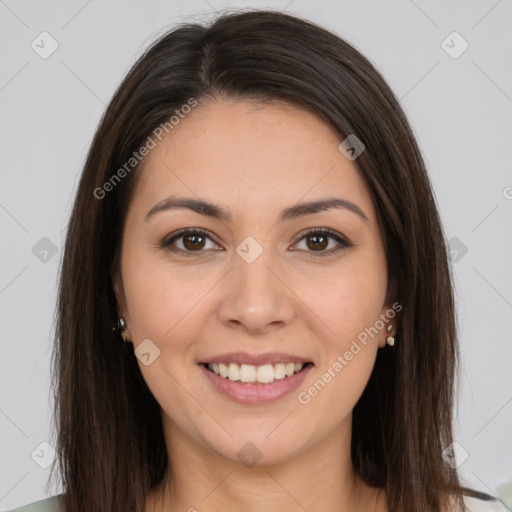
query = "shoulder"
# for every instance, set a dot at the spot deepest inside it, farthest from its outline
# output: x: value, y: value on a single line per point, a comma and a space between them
x: 481, y: 505
x: 47, y: 505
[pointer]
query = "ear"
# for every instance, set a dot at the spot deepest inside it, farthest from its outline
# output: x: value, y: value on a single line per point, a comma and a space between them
x: 390, y: 315
x: 117, y: 285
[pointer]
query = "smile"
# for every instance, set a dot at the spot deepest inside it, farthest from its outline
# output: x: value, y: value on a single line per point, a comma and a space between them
x: 263, y: 374
x: 277, y: 384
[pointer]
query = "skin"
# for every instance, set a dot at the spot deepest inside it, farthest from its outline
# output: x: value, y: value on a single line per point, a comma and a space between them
x: 255, y: 161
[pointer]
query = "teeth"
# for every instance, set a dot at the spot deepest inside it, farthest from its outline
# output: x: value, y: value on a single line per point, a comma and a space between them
x: 234, y: 372
x: 289, y: 369
x: 248, y: 373
x: 265, y: 374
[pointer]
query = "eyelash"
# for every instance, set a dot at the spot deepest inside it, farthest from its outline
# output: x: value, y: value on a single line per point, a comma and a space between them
x: 166, y: 243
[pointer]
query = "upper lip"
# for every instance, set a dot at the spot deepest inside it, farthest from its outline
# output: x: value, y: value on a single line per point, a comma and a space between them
x: 255, y: 359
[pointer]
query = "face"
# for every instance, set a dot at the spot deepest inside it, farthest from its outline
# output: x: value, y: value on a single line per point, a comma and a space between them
x: 253, y: 281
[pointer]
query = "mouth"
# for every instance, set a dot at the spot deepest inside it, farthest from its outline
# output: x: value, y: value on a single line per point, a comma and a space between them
x: 261, y: 374
x: 256, y: 385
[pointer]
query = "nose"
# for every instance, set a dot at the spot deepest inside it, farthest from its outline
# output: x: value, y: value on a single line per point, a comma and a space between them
x: 256, y: 298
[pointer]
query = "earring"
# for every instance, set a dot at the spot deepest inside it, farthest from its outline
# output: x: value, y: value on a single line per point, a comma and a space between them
x: 390, y: 340
x: 120, y: 328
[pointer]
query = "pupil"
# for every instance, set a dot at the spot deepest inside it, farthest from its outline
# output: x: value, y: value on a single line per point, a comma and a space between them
x: 193, y: 244
x: 316, y: 237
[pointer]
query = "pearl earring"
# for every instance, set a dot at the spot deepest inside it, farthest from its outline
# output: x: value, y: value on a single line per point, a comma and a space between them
x: 390, y: 340
x: 120, y: 327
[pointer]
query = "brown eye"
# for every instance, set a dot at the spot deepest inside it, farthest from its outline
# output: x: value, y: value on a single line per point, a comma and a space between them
x: 318, y: 240
x: 188, y: 242
x: 193, y: 242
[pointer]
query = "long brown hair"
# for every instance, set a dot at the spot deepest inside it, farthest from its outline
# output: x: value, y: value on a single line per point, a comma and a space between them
x: 110, y: 441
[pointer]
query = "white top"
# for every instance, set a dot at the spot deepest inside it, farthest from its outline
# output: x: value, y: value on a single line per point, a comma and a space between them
x: 473, y: 505
x: 477, y: 505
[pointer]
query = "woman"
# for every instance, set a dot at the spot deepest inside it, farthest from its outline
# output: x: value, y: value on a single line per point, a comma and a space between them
x: 256, y: 222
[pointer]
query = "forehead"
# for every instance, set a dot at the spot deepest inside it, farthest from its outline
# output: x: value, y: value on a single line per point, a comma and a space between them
x: 249, y: 153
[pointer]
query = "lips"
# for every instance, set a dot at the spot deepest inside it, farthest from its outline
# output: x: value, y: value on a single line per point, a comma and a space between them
x: 255, y: 359
x: 254, y: 393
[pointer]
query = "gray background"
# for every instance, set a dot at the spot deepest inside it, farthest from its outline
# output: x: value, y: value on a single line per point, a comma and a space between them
x: 460, y: 109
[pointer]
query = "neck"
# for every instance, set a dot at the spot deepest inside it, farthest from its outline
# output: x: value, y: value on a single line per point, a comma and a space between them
x: 319, y: 478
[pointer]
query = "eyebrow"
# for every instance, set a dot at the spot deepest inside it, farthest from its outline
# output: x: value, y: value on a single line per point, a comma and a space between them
x: 299, y: 210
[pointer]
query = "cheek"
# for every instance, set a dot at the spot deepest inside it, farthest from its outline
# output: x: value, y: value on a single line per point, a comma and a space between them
x: 346, y: 301
x: 161, y: 299
x: 350, y: 307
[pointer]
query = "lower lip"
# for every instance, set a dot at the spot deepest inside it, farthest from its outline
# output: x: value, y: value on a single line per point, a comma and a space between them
x: 249, y: 393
